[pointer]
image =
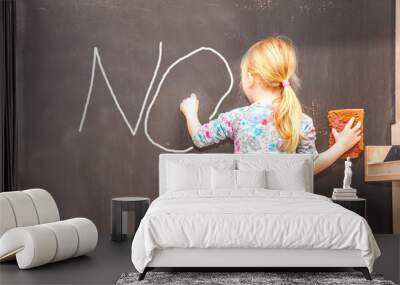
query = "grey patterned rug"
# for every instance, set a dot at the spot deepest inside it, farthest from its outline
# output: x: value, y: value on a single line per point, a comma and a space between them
x: 233, y: 278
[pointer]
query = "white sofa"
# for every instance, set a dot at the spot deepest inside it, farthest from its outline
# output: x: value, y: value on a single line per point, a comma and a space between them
x: 31, y: 230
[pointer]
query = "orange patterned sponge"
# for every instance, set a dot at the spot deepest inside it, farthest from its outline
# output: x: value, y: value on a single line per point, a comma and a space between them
x: 337, y: 119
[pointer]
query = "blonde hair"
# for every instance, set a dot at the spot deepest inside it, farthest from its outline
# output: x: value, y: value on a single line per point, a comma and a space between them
x: 273, y: 62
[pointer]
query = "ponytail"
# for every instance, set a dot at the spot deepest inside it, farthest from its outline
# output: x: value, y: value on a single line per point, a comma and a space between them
x: 287, y: 115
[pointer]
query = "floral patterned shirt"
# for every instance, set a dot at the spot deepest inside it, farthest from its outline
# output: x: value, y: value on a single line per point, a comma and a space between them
x: 252, y: 129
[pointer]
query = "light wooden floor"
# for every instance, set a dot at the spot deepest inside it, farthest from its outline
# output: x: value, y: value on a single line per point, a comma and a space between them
x: 110, y: 260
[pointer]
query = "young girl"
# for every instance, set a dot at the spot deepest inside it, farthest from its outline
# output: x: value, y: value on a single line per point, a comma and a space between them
x: 274, y: 122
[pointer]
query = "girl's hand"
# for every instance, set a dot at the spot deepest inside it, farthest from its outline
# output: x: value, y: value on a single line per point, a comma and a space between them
x: 190, y: 105
x: 349, y: 136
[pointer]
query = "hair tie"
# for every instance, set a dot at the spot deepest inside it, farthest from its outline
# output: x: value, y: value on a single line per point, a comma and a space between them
x: 285, y: 83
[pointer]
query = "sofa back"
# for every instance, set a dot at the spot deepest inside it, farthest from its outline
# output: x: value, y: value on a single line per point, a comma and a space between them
x: 286, y: 164
x: 26, y: 208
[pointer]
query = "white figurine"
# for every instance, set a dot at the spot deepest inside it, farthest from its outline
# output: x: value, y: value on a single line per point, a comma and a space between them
x: 347, y: 174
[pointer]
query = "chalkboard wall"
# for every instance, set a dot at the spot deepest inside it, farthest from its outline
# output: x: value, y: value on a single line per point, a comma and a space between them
x: 346, y: 56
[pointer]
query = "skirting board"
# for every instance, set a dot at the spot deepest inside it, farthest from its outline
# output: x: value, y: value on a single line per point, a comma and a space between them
x: 233, y: 257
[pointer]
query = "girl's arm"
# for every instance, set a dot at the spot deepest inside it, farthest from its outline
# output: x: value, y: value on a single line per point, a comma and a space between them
x: 190, y: 109
x: 344, y: 141
x: 210, y: 133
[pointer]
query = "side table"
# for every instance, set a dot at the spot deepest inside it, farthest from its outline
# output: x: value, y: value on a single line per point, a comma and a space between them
x: 358, y: 205
x: 121, y: 212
